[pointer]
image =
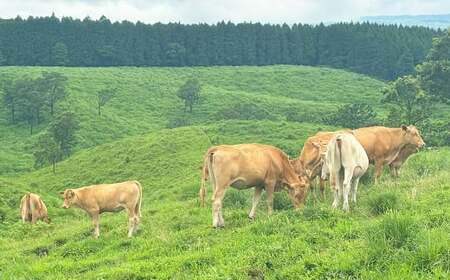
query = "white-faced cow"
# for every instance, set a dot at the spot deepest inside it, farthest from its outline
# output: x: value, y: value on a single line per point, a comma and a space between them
x: 346, y: 161
x: 97, y: 199
x: 32, y: 209
x: 249, y: 165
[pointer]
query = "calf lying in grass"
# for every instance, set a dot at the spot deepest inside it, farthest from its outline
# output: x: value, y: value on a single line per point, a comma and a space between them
x: 97, y: 199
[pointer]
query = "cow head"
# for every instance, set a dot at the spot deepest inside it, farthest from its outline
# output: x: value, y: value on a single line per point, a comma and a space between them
x: 412, y: 136
x: 69, y: 197
x: 298, y: 190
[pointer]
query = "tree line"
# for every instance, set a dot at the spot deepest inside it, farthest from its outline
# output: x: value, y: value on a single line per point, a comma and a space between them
x: 411, y: 98
x: 383, y: 51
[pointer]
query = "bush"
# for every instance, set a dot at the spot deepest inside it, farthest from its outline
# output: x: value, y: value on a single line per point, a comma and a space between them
x: 381, y: 203
x: 353, y: 115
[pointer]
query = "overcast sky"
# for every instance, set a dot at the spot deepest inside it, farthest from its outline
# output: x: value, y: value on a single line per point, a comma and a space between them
x: 211, y: 11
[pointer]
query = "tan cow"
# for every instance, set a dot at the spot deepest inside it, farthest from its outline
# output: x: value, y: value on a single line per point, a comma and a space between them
x: 395, y: 165
x: 383, y: 144
x: 249, y: 165
x: 97, y: 199
x: 32, y: 209
x: 311, y: 157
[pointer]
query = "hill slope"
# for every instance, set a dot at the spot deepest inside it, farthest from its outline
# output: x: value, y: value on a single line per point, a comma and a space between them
x: 146, y: 100
x: 176, y: 241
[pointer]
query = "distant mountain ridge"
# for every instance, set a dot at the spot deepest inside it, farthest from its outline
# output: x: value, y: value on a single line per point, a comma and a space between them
x: 432, y: 21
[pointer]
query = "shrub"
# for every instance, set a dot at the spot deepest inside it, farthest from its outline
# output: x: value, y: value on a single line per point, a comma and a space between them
x: 353, y: 115
x: 383, y: 202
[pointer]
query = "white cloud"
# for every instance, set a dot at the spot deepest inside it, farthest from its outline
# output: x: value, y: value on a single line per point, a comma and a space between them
x: 211, y: 11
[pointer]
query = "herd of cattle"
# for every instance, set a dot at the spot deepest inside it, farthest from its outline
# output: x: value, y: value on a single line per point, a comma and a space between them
x: 342, y: 156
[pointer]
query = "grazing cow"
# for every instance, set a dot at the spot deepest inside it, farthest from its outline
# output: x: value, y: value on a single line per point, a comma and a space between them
x: 403, y: 155
x: 311, y: 157
x: 383, y: 144
x: 97, y: 199
x: 249, y: 165
x: 32, y: 209
x: 346, y: 161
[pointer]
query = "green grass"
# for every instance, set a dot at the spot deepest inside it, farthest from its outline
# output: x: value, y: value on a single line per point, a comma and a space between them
x: 399, y: 229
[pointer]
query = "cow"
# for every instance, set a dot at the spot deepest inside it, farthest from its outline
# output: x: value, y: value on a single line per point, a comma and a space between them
x: 383, y: 144
x: 345, y: 161
x: 97, y: 199
x: 311, y: 157
x: 403, y: 155
x: 33, y: 209
x: 245, y: 166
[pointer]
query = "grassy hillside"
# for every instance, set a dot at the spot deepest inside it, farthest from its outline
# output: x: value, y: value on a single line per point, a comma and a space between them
x: 398, y: 230
x: 147, y: 101
x: 176, y: 241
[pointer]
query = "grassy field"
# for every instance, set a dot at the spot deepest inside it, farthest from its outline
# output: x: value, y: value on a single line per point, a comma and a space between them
x: 400, y: 228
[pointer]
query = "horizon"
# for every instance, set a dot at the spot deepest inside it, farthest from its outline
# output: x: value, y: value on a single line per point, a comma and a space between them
x: 199, y: 11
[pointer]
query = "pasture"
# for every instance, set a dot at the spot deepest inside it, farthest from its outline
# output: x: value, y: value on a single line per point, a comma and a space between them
x: 398, y: 230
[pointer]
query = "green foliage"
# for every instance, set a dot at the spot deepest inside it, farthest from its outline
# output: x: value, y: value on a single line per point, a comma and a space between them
x: 2, y: 59
x: 434, y: 73
x: 383, y: 202
x: 47, y: 150
x: 103, y: 97
x: 411, y: 104
x: 189, y: 92
x: 243, y: 111
x: 382, y: 51
x: 54, y: 84
x: 62, y: 129
x: 60, y: 55
x: 353, y: 115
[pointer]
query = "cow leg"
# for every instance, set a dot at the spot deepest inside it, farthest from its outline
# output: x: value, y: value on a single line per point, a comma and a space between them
x: 33, y: 218
x: 218, y: 195
x: 355, y: 189
x: 335, y: 180
x: 256, y: 197
x: 378, y: 167
x: 270, y: 189
x: 347, y: 185
x: 95, y: 223
x: 322, y: 188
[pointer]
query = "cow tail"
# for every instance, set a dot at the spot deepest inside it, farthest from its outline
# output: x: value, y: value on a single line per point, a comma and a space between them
x: 202, y: 191
x: 207, y: 169
x: 339, y: 148
x: 30, y: 205
x: 139, y: 204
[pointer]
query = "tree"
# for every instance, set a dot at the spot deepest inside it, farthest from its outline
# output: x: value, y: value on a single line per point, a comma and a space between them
x: 54, y: 84
x: 31, y: 99
x: 103, y: 97
x: 60, y: 54
x: 410, y: 102
x: 46, y: 150
x: 175, y: 54
x: 353, y: 116
x: 2, y: 59
x: 10, y: 97
x: 434, y: 73
x: 189, y: 92
x: 62, y: 129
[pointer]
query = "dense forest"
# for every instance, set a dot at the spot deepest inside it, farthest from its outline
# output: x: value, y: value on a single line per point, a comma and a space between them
x: 382, y: 51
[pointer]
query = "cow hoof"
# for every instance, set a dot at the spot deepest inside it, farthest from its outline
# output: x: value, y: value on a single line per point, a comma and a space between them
x: 251, y: 218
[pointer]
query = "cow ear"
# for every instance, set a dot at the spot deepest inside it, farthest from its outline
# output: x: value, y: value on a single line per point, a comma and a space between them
x: 404, y: 127
x: 316, y: 144
x: 61, y: 193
